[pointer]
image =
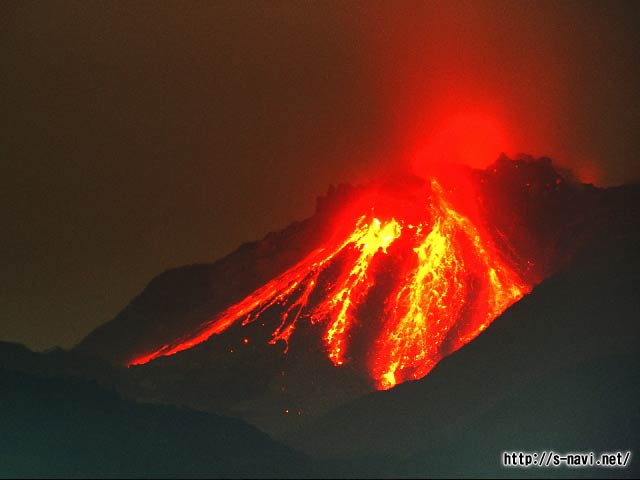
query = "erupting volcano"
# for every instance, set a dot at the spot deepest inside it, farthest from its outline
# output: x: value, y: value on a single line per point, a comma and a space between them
x: 408, y: 276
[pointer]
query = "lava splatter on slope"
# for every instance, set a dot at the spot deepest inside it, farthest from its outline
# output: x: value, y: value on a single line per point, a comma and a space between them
x: 448, y: 282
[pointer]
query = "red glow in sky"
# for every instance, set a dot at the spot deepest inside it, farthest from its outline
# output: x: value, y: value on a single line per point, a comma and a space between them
x: 469, y: 138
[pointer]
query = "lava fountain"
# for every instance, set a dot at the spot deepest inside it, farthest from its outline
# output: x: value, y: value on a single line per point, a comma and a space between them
x: 442, y: 276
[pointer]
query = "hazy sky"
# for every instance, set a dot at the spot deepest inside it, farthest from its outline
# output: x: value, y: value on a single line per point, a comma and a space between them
x: 139, y: 136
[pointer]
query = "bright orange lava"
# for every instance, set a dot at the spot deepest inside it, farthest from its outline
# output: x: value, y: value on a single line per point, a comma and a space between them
x: 447, y: 284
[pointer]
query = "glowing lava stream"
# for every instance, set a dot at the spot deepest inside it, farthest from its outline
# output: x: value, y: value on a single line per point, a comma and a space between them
x: 451, y: 285
x: 433, y: 312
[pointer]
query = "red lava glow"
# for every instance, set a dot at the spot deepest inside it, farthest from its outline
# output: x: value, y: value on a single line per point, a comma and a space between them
x: 443, y: 281
x: 588, y: 172
x: 470, y: 138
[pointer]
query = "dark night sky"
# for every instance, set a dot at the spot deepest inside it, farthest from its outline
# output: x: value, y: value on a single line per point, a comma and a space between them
x: 140, y: 136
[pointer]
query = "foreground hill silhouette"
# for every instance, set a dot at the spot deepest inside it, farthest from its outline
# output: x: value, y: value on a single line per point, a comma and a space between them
x: 50, y: 427
x: 560, y: 370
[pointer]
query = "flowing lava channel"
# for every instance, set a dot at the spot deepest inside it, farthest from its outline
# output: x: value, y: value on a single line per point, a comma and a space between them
x: 449, y: 282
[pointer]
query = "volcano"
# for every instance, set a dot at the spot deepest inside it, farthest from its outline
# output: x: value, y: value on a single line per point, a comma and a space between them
x: 446, y: 281
x: 407, y: 323
x: 374, y: 290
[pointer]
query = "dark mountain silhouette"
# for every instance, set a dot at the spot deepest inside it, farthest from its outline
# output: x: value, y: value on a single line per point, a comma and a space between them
x: 558, y: 371
x: 50, y: 427
x: 178, y: 300
x: 58, y: 363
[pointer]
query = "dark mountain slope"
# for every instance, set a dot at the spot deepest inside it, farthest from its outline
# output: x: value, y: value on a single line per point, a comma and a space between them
x: 61, y: 428
x: 58, y: 363
x: 589, y: 407
x: 559, y: 370
x: 180, y: 299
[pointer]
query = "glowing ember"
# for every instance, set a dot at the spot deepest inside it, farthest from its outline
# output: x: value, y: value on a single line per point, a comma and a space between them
x: 446, y: 282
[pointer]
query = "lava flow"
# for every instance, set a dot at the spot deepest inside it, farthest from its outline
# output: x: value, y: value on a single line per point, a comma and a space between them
x: 420, y: 275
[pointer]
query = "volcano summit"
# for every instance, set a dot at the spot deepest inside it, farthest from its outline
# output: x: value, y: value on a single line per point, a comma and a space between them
x: 445, y: 282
